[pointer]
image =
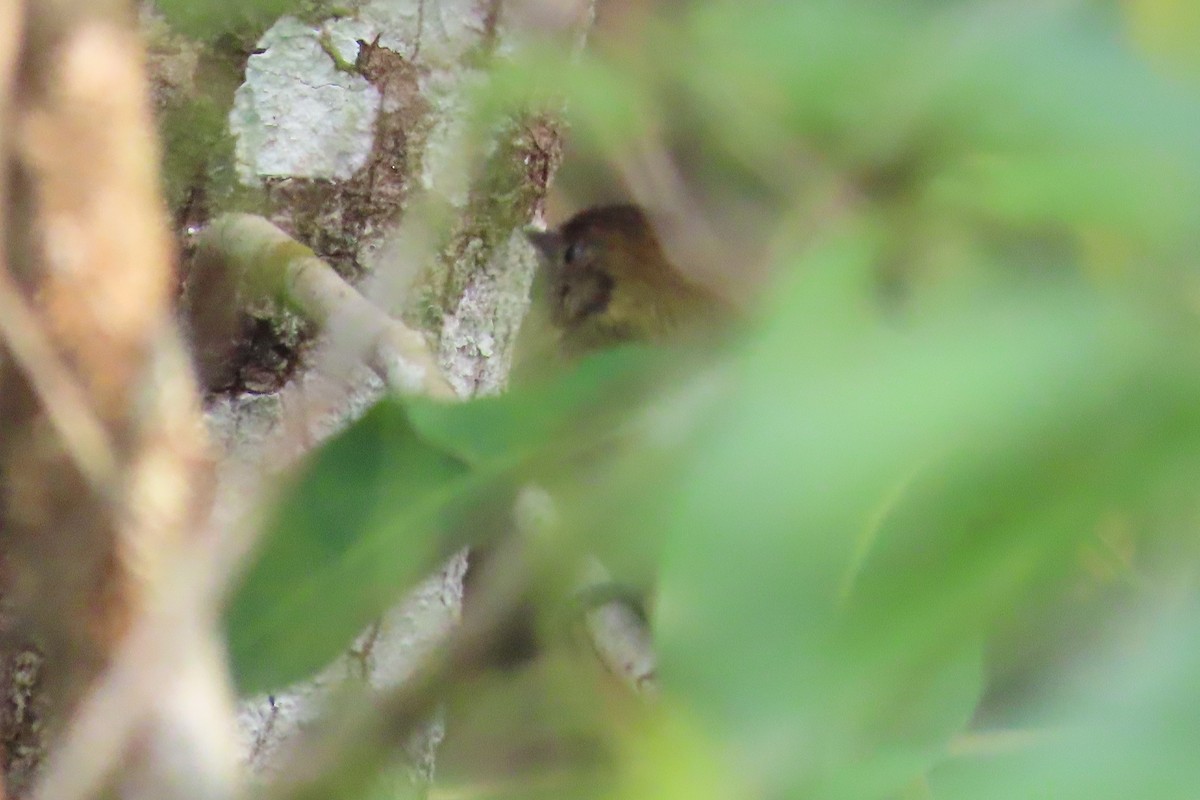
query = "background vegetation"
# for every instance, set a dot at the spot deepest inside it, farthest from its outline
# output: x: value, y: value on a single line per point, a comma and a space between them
x: 926, y: 525
x: 922, y: 525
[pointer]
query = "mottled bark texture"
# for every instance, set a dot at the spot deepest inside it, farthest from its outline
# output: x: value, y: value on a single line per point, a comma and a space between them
x: 425, y: 220
x: 106, y: 486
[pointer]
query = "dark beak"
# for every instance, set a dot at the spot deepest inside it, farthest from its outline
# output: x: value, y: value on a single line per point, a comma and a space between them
x: 547, y: 243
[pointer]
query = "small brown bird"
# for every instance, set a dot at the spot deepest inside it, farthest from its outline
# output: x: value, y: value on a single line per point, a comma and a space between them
x: 605, y: 280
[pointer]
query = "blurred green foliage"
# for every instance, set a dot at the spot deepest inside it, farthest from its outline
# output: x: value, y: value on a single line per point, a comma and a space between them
x: 405, y: 484
x: 211, y: 20
x: 342, y: 538
x: 926, y: 526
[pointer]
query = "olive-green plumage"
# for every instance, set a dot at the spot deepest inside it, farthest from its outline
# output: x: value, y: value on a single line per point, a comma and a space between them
x: 605, y: 280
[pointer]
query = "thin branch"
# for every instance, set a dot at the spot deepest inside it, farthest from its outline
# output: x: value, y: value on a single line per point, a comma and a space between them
x: 67, y: 407
x: 269, y: 262
x: 620, y: 636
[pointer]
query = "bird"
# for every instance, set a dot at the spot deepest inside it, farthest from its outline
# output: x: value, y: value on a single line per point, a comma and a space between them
x: 603, y: 280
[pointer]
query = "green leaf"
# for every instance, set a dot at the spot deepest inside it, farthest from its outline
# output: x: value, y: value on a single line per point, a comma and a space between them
x: 568, y: 411
x: 1120, y: 721
x: 210, y: 19
x: 368, y: 513
x: 350, y: 532
x: 1035, y: 411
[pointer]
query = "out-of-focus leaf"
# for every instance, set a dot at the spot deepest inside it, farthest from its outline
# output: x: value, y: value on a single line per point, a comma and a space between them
x: 1145, y: 199
x: 377, y: 502
x: 1167, y: 30
x: 350, y: 532
x: 669, y: 756
x: 1120, y: 722
x: 864, y: 491
x: 1022, y: 391
x: 209, y: 19
x: 561, y: 412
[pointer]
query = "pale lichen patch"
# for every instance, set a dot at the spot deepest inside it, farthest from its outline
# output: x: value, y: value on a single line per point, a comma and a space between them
x: 297, y: 114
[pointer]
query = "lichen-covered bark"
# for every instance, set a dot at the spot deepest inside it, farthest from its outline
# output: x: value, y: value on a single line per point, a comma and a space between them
x: 488, y: 265
x: 342, y: 127
x: 430, y: 231
x: 23, y: 715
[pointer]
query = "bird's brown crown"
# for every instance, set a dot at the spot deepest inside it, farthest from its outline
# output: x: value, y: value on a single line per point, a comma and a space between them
x: 607, y: 281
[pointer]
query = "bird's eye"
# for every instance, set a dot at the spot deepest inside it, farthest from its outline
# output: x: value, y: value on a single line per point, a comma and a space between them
x: 573, y: 252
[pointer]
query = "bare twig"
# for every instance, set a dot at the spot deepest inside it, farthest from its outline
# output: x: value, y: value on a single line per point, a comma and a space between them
x: 620, y: 636
x: 268, y: 261
x: 66, y: 405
